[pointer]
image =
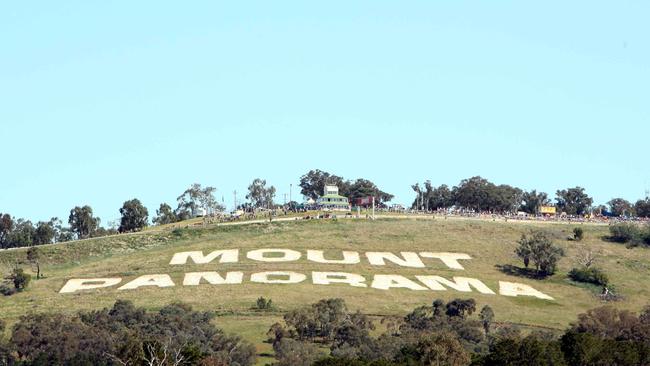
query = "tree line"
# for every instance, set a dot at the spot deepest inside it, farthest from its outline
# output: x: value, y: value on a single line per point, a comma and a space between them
x: 124, y: 335
x: 479, y: 194
x: 455, y: 333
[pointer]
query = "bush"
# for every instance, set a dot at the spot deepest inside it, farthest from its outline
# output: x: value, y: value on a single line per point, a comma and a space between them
x: 578, y: 234
x: 20, y: 279
x: 6, y: 290
x: 263, y: 304
x: 624, y: 233
x: 589, y: 275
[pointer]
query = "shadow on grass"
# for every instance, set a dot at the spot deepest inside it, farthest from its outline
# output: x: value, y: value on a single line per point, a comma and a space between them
x: 531, y: 273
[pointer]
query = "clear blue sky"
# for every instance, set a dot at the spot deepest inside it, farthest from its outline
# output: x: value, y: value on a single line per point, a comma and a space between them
x: 101, y: 102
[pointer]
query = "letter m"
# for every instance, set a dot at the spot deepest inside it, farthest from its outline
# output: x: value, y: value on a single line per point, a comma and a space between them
x: 462, y: 284
x: 225, y: 256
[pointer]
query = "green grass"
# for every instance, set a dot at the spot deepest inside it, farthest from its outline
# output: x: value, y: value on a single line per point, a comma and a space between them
x: 488, y: 243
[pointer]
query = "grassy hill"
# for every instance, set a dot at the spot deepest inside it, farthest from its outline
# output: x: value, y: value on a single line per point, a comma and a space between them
x: 490, y: 244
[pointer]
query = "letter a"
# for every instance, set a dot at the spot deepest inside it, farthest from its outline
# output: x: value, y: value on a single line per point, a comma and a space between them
x: 517, y: 289
x: 159, y: 280
x: 88, y: 284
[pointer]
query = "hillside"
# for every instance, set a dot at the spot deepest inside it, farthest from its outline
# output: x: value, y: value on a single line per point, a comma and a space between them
x: 489, y: 244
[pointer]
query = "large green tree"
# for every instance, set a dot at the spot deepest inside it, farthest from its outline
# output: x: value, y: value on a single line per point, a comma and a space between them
x: 134, y: 216
x: 82, y: 222
x: 479, y: 194
x: 313, y: 183
x: 573, y: 201
x: 364, y: 188
x: 620, y: 207
x: 537, y: 247
x: 533, y: 200
x: 642, y: 207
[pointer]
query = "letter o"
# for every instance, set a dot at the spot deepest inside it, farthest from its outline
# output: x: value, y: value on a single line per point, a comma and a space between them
x: 288, y: 255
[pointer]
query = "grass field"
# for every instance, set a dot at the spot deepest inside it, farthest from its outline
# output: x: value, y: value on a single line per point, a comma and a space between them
x: 490, y: 244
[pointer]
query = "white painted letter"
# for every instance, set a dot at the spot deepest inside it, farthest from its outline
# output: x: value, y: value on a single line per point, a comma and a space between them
x: 318, y: 257
x: 410, y: 259
x: 226, y: 256
x: 462, y: 284
x: 385, y: 282
x: 88, y: 284
x: 213, y: 278
x: 326, y: 278
x: 160, y: 280
x: 288, y: 255
x: 516, y: 289
x: 449, y: 259
x: 263, y: 277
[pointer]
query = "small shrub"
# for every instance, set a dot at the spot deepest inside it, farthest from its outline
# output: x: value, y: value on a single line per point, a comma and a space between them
x: 578, y: 234
x: 589, y: 275
x: 20, y: 279
x: 263, y: 304
x: 624, y: 233
x: 6, y: 290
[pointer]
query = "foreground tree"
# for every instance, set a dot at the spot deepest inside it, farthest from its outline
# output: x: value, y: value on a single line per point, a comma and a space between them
x: 134, y: 216
x: 126, y: 335
x: 82, y: 222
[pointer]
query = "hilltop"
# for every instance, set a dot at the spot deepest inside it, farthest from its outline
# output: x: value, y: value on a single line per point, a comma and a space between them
x: 489, y: 244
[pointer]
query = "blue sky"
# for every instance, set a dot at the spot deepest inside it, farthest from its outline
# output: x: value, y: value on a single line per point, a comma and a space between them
x: 102, y: 102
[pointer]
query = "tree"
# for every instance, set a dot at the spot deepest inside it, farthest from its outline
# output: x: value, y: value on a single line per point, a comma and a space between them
x: 45, y: 232
x: 532, y: 201
x: 6, y: 227
x: 539, y: 248
x: 487, y: 316
x: 573, y: 201
x: 22, y: 234
x: 196, y: 197
x: 82, y: 222
x: 642, y: 207
x: 33, y: 257
x: 365, y: 188
x: 313, y: 183
x: 620, y: 207
x: 440, y: 197
x: 479, y: 194
x: 290, y: 352
x: 134, y: 216
x: 461, y: 307
x: 164, y: 215
x: 259, y: 195
x: 442, y: 349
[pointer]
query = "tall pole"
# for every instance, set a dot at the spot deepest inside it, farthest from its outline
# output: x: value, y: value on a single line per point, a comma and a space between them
x: 290, y: 187
x: 373, y: 207
x: 234, y: 202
